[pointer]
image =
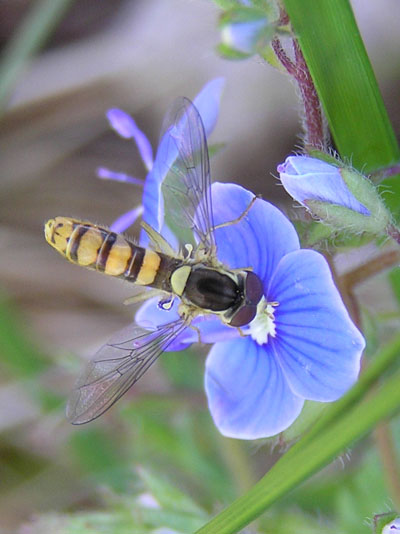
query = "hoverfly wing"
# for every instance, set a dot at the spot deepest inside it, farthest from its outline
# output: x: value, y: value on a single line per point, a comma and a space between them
x: 183, y: 160
x: 116, y: 367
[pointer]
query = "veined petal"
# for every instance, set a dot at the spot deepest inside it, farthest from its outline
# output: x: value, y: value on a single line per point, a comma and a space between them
x: 127, y: 128
x: 316, y: 343
x: 259, y: 240
x: 207, y: 104
x: 247, y: 392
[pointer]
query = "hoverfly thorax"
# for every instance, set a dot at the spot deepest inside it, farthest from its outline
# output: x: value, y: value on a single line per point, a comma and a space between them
x: 234, y: 296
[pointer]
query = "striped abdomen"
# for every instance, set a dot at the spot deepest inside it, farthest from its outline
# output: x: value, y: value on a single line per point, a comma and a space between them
x: 97, y: 248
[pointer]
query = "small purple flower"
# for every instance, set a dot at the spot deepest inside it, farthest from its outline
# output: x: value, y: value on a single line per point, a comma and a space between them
x: 243, y: 36
x: 207, y: 103
x: 306, y: 178
x: 126, y: 127
x: 302, y: 343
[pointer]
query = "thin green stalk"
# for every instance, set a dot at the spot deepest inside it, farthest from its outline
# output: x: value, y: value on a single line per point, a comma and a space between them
x: 33, y: 31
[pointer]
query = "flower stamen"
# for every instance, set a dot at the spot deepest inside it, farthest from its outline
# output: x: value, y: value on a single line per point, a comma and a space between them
x: 263, y: 323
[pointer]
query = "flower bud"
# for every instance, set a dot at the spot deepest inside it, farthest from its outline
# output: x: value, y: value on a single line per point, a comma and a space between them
x: 337, y: 195
x: 244, y: 32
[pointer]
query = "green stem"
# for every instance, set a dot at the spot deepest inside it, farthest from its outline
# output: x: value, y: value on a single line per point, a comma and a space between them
x: 36, y: 27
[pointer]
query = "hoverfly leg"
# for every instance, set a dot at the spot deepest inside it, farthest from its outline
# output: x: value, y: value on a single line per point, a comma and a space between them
x: 198, y: 332
x: 241, y: 216
x: 241, y: 333
x: 143, y: 295
x: 159, y: 242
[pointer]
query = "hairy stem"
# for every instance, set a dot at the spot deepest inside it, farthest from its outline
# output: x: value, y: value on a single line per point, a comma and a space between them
x: 370, y: 268
x: 315, y: 133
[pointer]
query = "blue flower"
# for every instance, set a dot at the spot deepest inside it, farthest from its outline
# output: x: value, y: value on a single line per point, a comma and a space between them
x: 302, y: 344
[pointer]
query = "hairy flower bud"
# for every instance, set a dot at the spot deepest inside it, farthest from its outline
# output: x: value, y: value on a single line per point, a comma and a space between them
x: 337, y: 195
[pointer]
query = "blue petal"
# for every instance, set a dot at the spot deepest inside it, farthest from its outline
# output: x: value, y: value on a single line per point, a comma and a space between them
x: 207, y: 103
x: 306, y: 178
x: 300, y: 165
x: 248, y: 394
x: 316, y: 343
x: 107, y: 174
x: 259, y: 240
x: 208, y: 327
x: 126, y: 127
x: 126, y: 220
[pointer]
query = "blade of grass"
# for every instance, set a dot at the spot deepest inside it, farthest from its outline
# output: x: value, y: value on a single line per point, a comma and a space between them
x: 33, y: 31
x: 291, y: 470
x: 339, y: 65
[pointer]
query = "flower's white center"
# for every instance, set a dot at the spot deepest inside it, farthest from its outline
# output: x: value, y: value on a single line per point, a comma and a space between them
x: 263, y: 324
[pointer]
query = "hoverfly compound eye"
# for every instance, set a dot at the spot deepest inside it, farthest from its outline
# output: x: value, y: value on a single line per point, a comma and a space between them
x: 253, y: 292
x: 244, y: 315
x: 254, y: 289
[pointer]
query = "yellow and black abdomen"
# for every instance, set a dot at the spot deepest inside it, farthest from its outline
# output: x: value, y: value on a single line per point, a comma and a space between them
x: 102, y: 250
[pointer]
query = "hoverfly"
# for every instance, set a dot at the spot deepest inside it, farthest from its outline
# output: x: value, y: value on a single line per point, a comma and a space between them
x: 203, y: 284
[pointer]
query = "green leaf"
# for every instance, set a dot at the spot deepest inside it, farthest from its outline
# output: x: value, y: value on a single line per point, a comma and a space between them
x: 335, y: 54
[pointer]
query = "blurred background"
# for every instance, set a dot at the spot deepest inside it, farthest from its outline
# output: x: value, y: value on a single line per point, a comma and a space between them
x: 139, y: 56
